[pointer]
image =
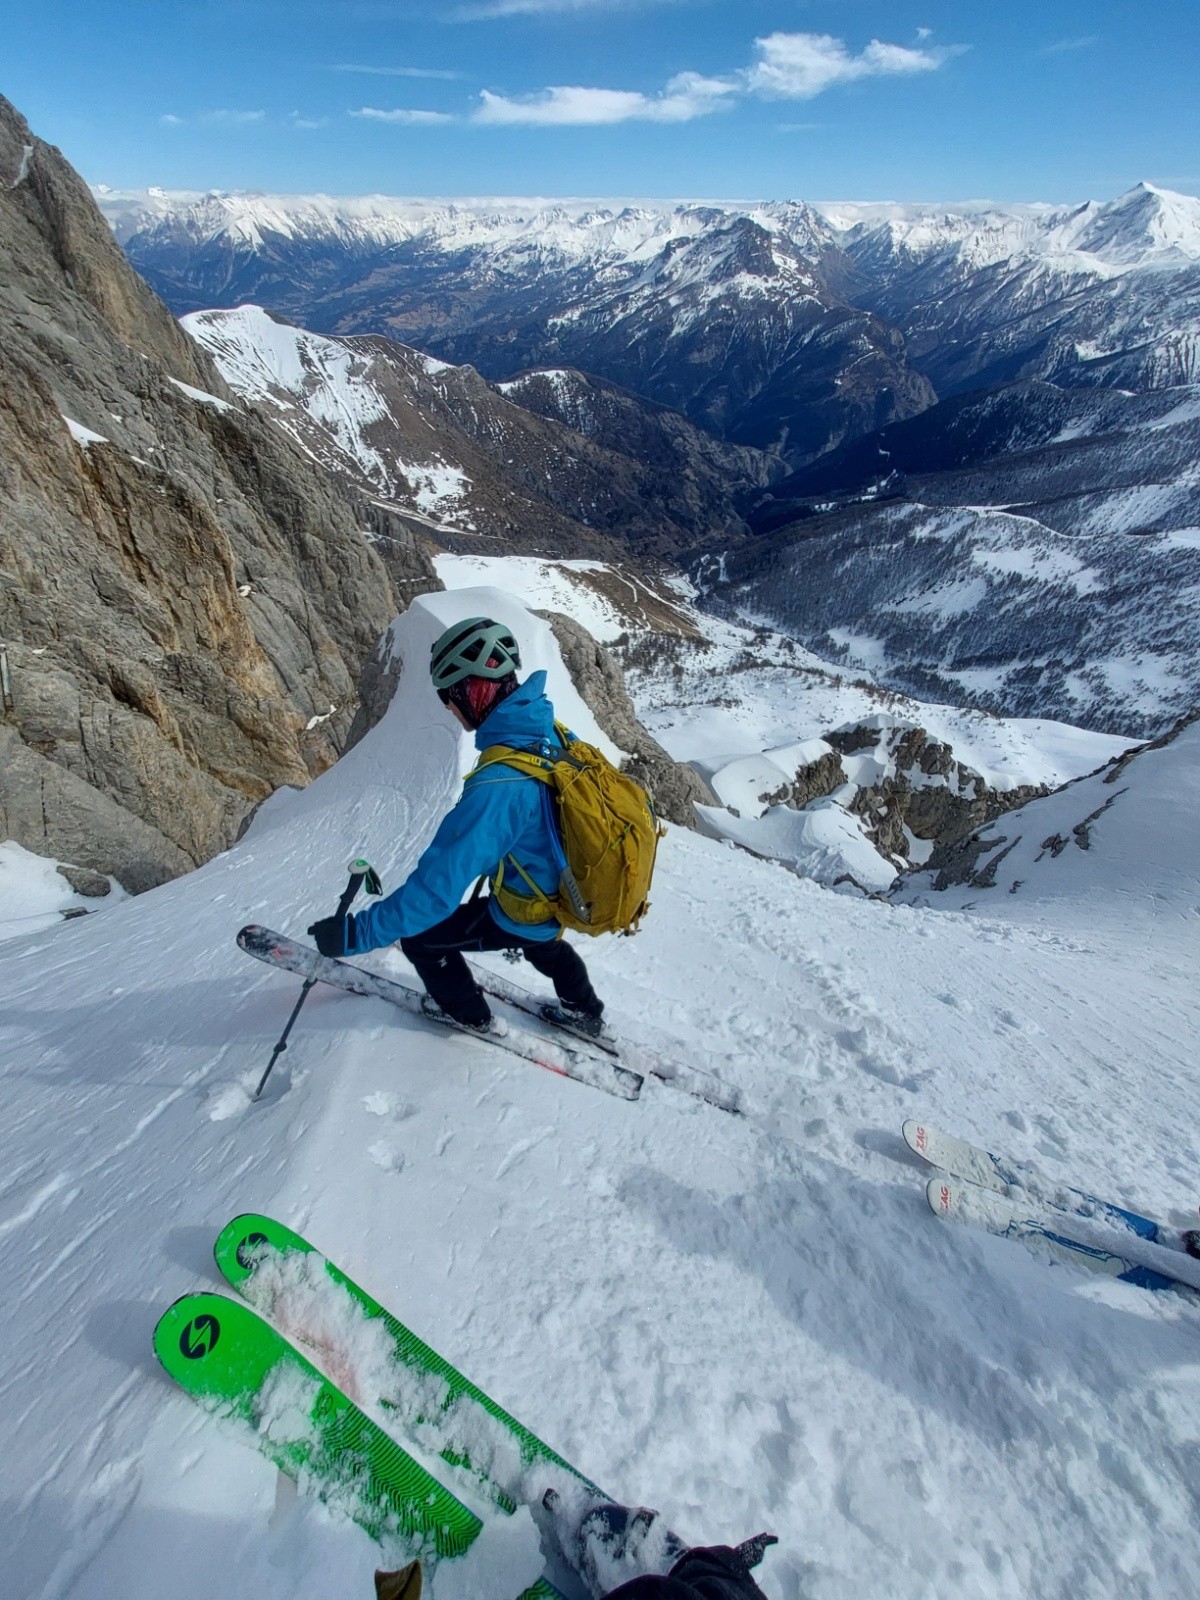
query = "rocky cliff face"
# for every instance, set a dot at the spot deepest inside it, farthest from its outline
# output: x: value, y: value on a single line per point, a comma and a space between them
x: 186, y: 603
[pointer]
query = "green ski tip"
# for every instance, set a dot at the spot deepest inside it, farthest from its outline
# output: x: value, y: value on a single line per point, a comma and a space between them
x: 237, y: 1366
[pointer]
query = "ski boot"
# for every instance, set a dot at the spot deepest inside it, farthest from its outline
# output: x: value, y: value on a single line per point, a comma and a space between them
x: 578, y: 1021
x: 613, y: 1544
x: 493, y: 1028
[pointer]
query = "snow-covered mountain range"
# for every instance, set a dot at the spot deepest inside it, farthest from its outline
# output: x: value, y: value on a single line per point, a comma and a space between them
x: 1020, y: 399
x: 782, y: 325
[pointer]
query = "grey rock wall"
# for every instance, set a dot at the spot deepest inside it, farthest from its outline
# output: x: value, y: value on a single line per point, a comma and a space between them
x: 186, y: 603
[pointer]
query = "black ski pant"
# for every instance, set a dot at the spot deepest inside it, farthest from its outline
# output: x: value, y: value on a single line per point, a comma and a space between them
x: 437, y: 956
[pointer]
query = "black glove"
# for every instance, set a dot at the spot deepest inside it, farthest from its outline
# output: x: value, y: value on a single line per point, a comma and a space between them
x: 330, y: 935
x: 751, y: 1551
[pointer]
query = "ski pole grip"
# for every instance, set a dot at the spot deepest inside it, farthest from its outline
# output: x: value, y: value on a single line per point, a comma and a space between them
x: 348, y: 894
x: 360, y: 871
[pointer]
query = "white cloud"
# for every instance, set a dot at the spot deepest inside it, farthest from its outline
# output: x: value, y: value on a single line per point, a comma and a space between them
x: 221, y: 118
x: 295, y: 120
x: 688, y: 95
x: 790, y: 66
x: 413, y: 118
x: 798, y: 66
x: 1061, y: 46
x: 402, y: 72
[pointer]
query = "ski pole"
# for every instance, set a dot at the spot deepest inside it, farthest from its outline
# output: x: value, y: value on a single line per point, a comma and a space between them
x: 360, y: 872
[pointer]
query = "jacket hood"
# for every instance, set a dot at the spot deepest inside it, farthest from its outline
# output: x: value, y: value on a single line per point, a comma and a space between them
x: 524, y: 718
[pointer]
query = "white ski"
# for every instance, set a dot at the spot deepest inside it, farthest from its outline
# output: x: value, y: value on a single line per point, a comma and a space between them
x: 691, y: 1080
x: 1010, y: 1219
x: 980, y: 1166
x: 599, y: 1071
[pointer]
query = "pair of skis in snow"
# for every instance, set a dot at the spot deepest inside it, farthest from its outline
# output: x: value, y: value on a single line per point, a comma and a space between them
x: 616, y: 1068
x: 972, y: 1185
x: 245, y: 1361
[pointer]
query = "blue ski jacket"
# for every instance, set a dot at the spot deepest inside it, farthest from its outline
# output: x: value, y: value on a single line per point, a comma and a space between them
x: 499, y: 812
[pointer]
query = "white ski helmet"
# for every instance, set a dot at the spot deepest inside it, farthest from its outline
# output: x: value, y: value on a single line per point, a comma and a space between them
x: 477, y: 647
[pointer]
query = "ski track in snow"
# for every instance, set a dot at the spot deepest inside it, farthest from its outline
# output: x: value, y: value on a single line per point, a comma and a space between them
x: 747, y: 1322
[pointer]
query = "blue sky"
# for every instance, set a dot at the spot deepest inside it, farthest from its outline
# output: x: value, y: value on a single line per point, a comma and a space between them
x: 811, y: 99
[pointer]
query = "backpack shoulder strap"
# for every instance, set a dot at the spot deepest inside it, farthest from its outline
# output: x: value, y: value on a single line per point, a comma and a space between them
x: 527, y: 762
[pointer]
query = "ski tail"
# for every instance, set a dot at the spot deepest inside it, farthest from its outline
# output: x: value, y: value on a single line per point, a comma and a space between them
x: 237, y: 1365
x: 966, y: 1202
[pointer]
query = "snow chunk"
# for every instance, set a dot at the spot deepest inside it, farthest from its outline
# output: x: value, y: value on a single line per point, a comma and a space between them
x: 201, y: 395
x: 81, y: 435
x: 823, y: 842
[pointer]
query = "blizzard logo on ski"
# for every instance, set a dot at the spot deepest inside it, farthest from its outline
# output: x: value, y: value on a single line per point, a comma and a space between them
x: 199, y: 1337
x: 247, y: 1251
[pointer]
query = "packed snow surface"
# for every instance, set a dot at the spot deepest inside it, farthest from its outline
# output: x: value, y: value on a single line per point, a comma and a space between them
x: 747, y: 1322
x: 34, y: 895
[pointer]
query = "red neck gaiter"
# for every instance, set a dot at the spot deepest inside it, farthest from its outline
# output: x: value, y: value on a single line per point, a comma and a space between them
x: 477, y: 698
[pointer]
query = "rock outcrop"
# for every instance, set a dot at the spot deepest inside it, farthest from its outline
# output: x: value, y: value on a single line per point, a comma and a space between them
x: 187, y: 604
x: 671, y: 785
x: 922, y: 790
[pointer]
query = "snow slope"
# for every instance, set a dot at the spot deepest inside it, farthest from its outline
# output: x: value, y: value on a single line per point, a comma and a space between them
x: 35, y: 896
x: 747, y: 707
x: 748, y: 1323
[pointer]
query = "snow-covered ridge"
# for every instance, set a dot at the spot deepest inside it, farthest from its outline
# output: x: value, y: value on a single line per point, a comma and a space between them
x: 305, y: 378
x: 581, y: 230
x: 1145, y: 226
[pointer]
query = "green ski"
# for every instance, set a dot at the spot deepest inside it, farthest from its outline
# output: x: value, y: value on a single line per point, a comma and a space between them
x: 239, y: 1367
x: 278, y: 1271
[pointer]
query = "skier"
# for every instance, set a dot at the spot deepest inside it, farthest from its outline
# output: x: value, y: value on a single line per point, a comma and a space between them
x: 502, y: 815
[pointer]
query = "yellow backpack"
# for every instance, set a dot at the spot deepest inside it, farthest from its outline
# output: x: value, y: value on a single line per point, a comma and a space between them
x: 609, y: 834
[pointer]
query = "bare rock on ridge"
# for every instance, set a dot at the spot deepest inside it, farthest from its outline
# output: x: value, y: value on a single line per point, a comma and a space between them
x: 671, y: 785
x: 187, y: 604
